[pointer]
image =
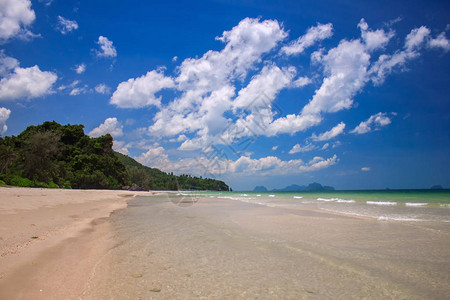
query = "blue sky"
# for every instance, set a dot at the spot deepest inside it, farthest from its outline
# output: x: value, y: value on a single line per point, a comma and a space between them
x: 352, y: 94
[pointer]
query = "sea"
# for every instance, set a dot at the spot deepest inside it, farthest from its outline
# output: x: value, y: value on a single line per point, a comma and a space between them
x: 382, y: 205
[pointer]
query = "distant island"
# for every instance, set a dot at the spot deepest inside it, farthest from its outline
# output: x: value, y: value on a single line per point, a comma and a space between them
x: 260, y: 188
x: 437, y: 187
x: 312, y: 187
x: 62, y: 156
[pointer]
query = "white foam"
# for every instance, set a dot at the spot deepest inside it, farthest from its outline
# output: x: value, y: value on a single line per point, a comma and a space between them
x: 327, y: 200
x: 244, y: 195
x: 298, y: 197
x: 271, y: 196
x: 381, y: 203
x: 416, y: 204
x: 445, y: 205
x: 345, y: 201
x: 258, y: 195
x: 384, y: 218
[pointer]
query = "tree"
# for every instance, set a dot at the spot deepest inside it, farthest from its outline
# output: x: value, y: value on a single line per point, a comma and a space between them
x: 39, y: 157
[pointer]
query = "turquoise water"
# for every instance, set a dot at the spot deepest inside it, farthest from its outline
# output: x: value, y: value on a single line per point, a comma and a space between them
x: 383, y: 205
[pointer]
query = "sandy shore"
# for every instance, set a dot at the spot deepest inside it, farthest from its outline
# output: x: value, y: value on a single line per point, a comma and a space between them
x: 51, y: 239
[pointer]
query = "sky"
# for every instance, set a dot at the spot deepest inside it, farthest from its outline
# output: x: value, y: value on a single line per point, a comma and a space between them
x: 352, y: 94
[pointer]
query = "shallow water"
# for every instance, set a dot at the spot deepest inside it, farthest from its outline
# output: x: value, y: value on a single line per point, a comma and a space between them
x: 394, y: 205
x: 201, y: 246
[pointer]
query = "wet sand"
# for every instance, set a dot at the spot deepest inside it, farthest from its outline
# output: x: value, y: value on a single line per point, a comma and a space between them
x: 225, y: 249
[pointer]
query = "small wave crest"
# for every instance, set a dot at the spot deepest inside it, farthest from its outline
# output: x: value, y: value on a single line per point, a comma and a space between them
x: 338, y: 200
x: 416, y: 204
x: 381, y: 203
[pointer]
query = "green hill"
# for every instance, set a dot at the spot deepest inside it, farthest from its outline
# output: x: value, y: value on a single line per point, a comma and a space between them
x: 154, y: 179
x: 54, y: 155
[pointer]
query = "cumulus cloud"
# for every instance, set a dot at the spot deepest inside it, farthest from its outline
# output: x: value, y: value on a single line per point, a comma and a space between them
x: 65, y: 25
x: 16, y: 15
x: 155, y: 156
x: 328, y: 135
x: 298, y: 148
x: 111, y: 126
x: 140, y: 92
x: 365, y: 169
x: 274, y: 148
x: 102, y: 88
x: 375, y: 122
x: 440, y: 41
x: 4, y: 116
x: 7, y: 64
x: 26, y: 83
x: 106, y: 47
x: 213, y: 99
x: 80, y: 69
x: 121, y: 147
x: 387, y: 63
x: 374, y: 39
x: 312, y: 36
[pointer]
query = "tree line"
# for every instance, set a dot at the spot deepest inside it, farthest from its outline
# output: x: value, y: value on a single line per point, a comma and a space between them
x: 53, y: 155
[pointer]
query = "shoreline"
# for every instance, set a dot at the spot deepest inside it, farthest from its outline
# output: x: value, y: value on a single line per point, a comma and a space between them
x: 50, y: 239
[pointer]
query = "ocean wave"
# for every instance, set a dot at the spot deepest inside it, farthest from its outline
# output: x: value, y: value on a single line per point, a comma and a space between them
x: 298, y: 197
x: 381, y: 203
x: 271, y: 196
x: 338, y: 200
x: 416, y: 204
x: 345, y: 201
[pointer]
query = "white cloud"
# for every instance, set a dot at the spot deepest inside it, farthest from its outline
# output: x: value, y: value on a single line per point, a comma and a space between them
x: 80, y: 69
x: 79, y: 91
x: 46, y: 2
x: 16, y: 15
x: 66, y: 26
x: 175, y: 58
x: 440, y: 41
x: 271, y: 165
x: 206, y: 83
x: 375, y: 122
x: 107, y: 48
x: 121, y: 147
x: 374, y: 39
x: 111, y: 126
x: 26, y: 83
x: 155, y: 156
x: 324, y: 147
x: 102, y: 88
x: 213, y: 93
x: 313, y: 35
x: 7, y: 64
x: 328, y: 135
x: 301, y: 81
x: 4, y: 116
x: 297, y: 148
x: 274, y: 148
x: 75, y: 87
x: 416, y: 37
x: 365, y: 169
x: 140, y: 92
x: 386, y: 63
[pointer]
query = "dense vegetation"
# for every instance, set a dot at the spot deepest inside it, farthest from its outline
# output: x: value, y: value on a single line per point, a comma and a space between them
x: 54, y: 155
x: 154, y: 179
